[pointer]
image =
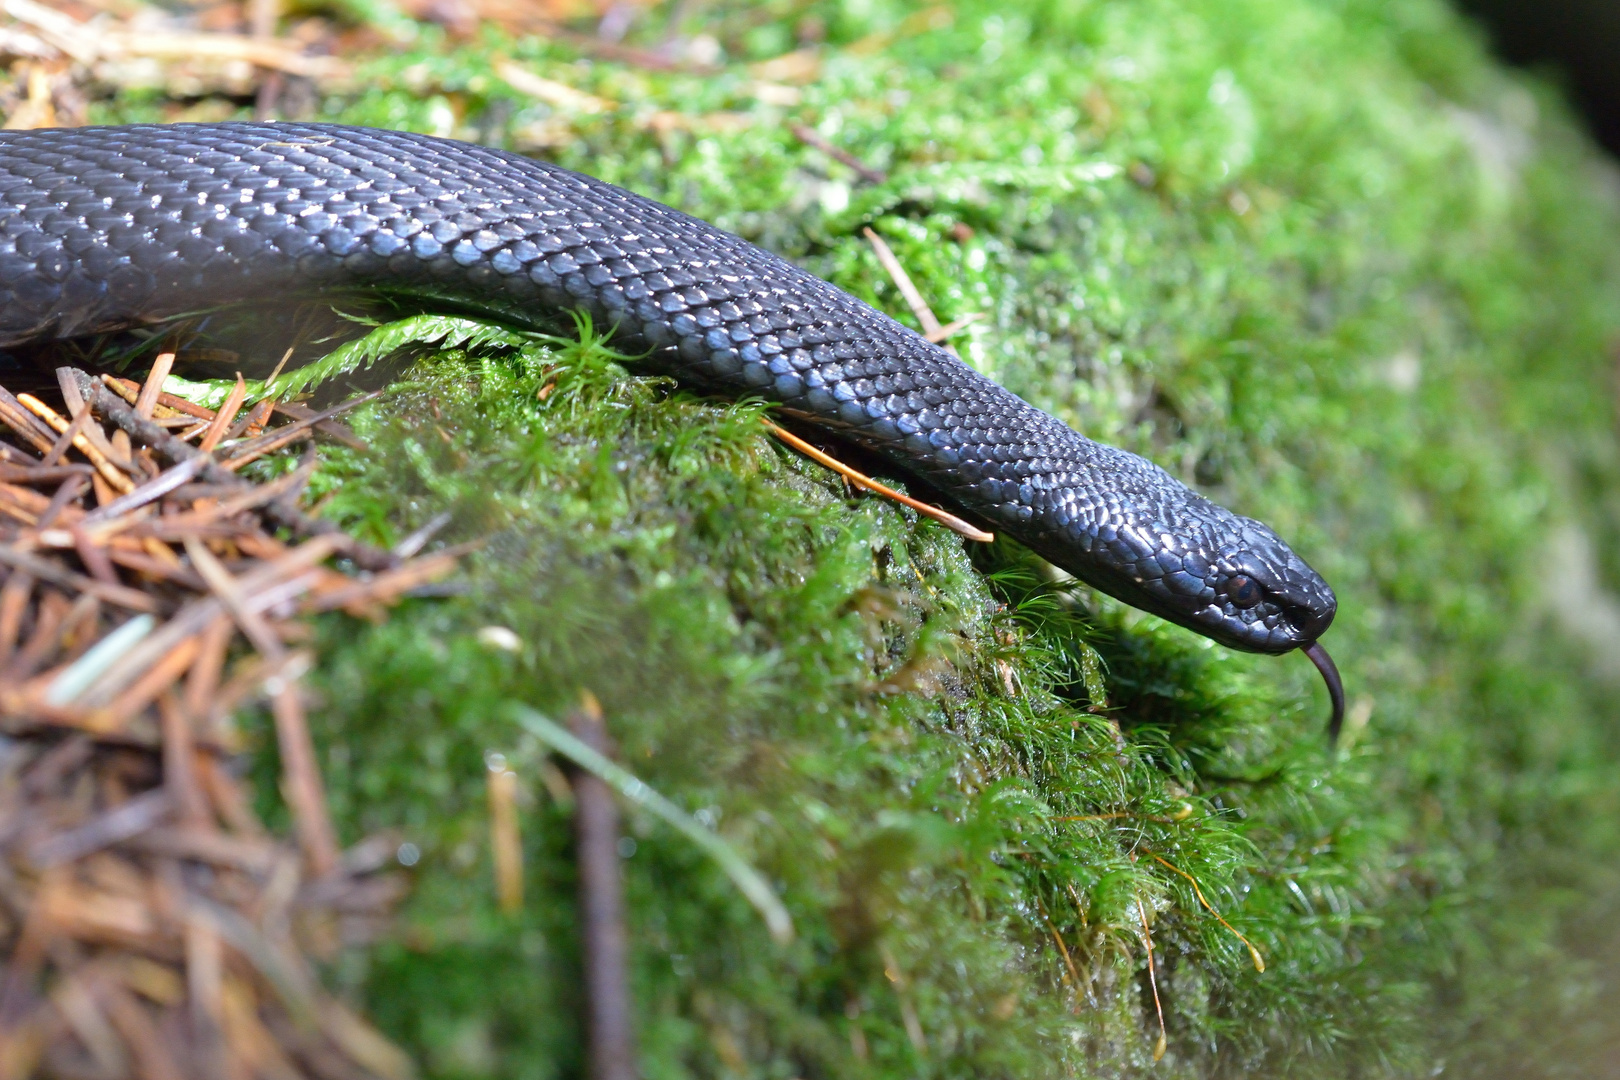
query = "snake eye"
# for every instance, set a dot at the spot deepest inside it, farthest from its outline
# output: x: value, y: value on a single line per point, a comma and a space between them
x: 1242, y: 591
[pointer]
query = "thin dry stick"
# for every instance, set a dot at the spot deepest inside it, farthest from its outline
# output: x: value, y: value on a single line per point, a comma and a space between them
x: 14, y: 597
x: 115, y: 715
x: 1153, y: 979
x: 229, y: 591
x: 59, y: 424
x: 902, y: 281
x: 282, y: 512
x: 65, y: 440
x: 148, y: 399
x: 276, y: 371
x: 152, y: 490
x: 39, y: 474
x: 601, y: 904
x: 908, y: 1012
x: 954, y: 327
x: 130, y: 392
x: 505, y: 841
x: 275, y: 440
x: 205, y: 978
x: 253, y: 424
x: 48, y: 619
x: 179, y: 767
x: 93, y: 557
x: 45, y: 570
x: 203, y: 681
x: 260, y: 585
x: 391, y: 583
x: 1068, y: 961
x: 18, y: 419
x: 332, y: 429
x: 222, y: 419
x: 73, y: 397
x: 1254, y: 953
x: 229, y: 800
x: 593, y: 46
x: 305, y: 794
x: 949, y: 520
x: 153, y: 1057
x: 813, y: 138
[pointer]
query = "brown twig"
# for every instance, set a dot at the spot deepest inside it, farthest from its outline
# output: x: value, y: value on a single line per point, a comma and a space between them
x: 954, y: 327
x: 902, y: 281
x: 35, y: 432
x: 65, y: 440
x: 41, y: 474
x: 505, y: 840
x: 153, y: 387
x: 222, y: 419
x: 44, y: 570
x: 1063, y: 949
x: 73, y: 398
x: 601, y: 907
x: 1254, y: 953
x: 330, y: 428
x: 112, y: 406
x: 944, y: 517
x: 179, y: 765
x: 82, y: 442
x: 595, y: 47
x: 130, y: 392
x: 931, y: 328
x: 814, y: 139
x: 275, y: 440
x: 306, y: 793
x: 1153, y: 980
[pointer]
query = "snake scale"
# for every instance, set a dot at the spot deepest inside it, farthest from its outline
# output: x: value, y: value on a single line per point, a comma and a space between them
x: 108, y: 228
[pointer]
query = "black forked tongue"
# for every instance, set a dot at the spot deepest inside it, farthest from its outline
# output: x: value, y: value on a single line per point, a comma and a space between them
x: 1330, y: 674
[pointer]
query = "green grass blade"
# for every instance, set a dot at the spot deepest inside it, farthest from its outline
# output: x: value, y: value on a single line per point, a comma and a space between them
x: 751, y: 883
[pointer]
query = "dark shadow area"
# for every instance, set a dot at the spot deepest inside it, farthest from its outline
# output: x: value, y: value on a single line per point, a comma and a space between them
x: 1578, y: 39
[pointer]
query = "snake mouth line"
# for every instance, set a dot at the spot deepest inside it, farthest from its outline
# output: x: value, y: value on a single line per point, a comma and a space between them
x: 1330, y: 674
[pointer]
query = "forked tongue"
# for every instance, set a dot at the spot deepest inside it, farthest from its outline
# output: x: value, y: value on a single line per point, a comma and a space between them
x: 1330, y: 674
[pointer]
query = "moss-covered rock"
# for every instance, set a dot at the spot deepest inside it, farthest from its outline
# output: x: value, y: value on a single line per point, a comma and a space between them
x: 1321, y: 259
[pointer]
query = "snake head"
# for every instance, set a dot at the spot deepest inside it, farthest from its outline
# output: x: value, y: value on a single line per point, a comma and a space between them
x: 1197, y: 564
x: 1252, y: 592
x: 1159, y: 546
x: 1238, y: 584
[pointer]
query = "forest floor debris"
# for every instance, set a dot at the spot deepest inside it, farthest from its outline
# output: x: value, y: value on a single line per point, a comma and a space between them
x: 153, y: 925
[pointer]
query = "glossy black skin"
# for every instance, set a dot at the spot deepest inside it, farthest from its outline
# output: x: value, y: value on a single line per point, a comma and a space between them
x: 107, y: 228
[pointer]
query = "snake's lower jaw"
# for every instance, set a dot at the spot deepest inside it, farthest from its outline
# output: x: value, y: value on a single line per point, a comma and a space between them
x: 1335, y: 686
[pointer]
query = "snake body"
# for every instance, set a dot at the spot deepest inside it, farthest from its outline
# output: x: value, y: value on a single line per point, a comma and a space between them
x: 108, y: 228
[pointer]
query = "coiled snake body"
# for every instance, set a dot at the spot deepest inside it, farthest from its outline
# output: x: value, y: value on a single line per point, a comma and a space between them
x: 107, y: 228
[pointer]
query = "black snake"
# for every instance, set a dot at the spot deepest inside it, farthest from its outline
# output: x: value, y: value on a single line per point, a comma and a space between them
x: 105, y: 228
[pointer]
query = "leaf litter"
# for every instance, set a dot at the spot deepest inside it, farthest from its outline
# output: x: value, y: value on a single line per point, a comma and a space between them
x: 153, y: 925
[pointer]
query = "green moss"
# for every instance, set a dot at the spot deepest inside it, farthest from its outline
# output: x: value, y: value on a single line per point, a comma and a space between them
x: 1321, y: 259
